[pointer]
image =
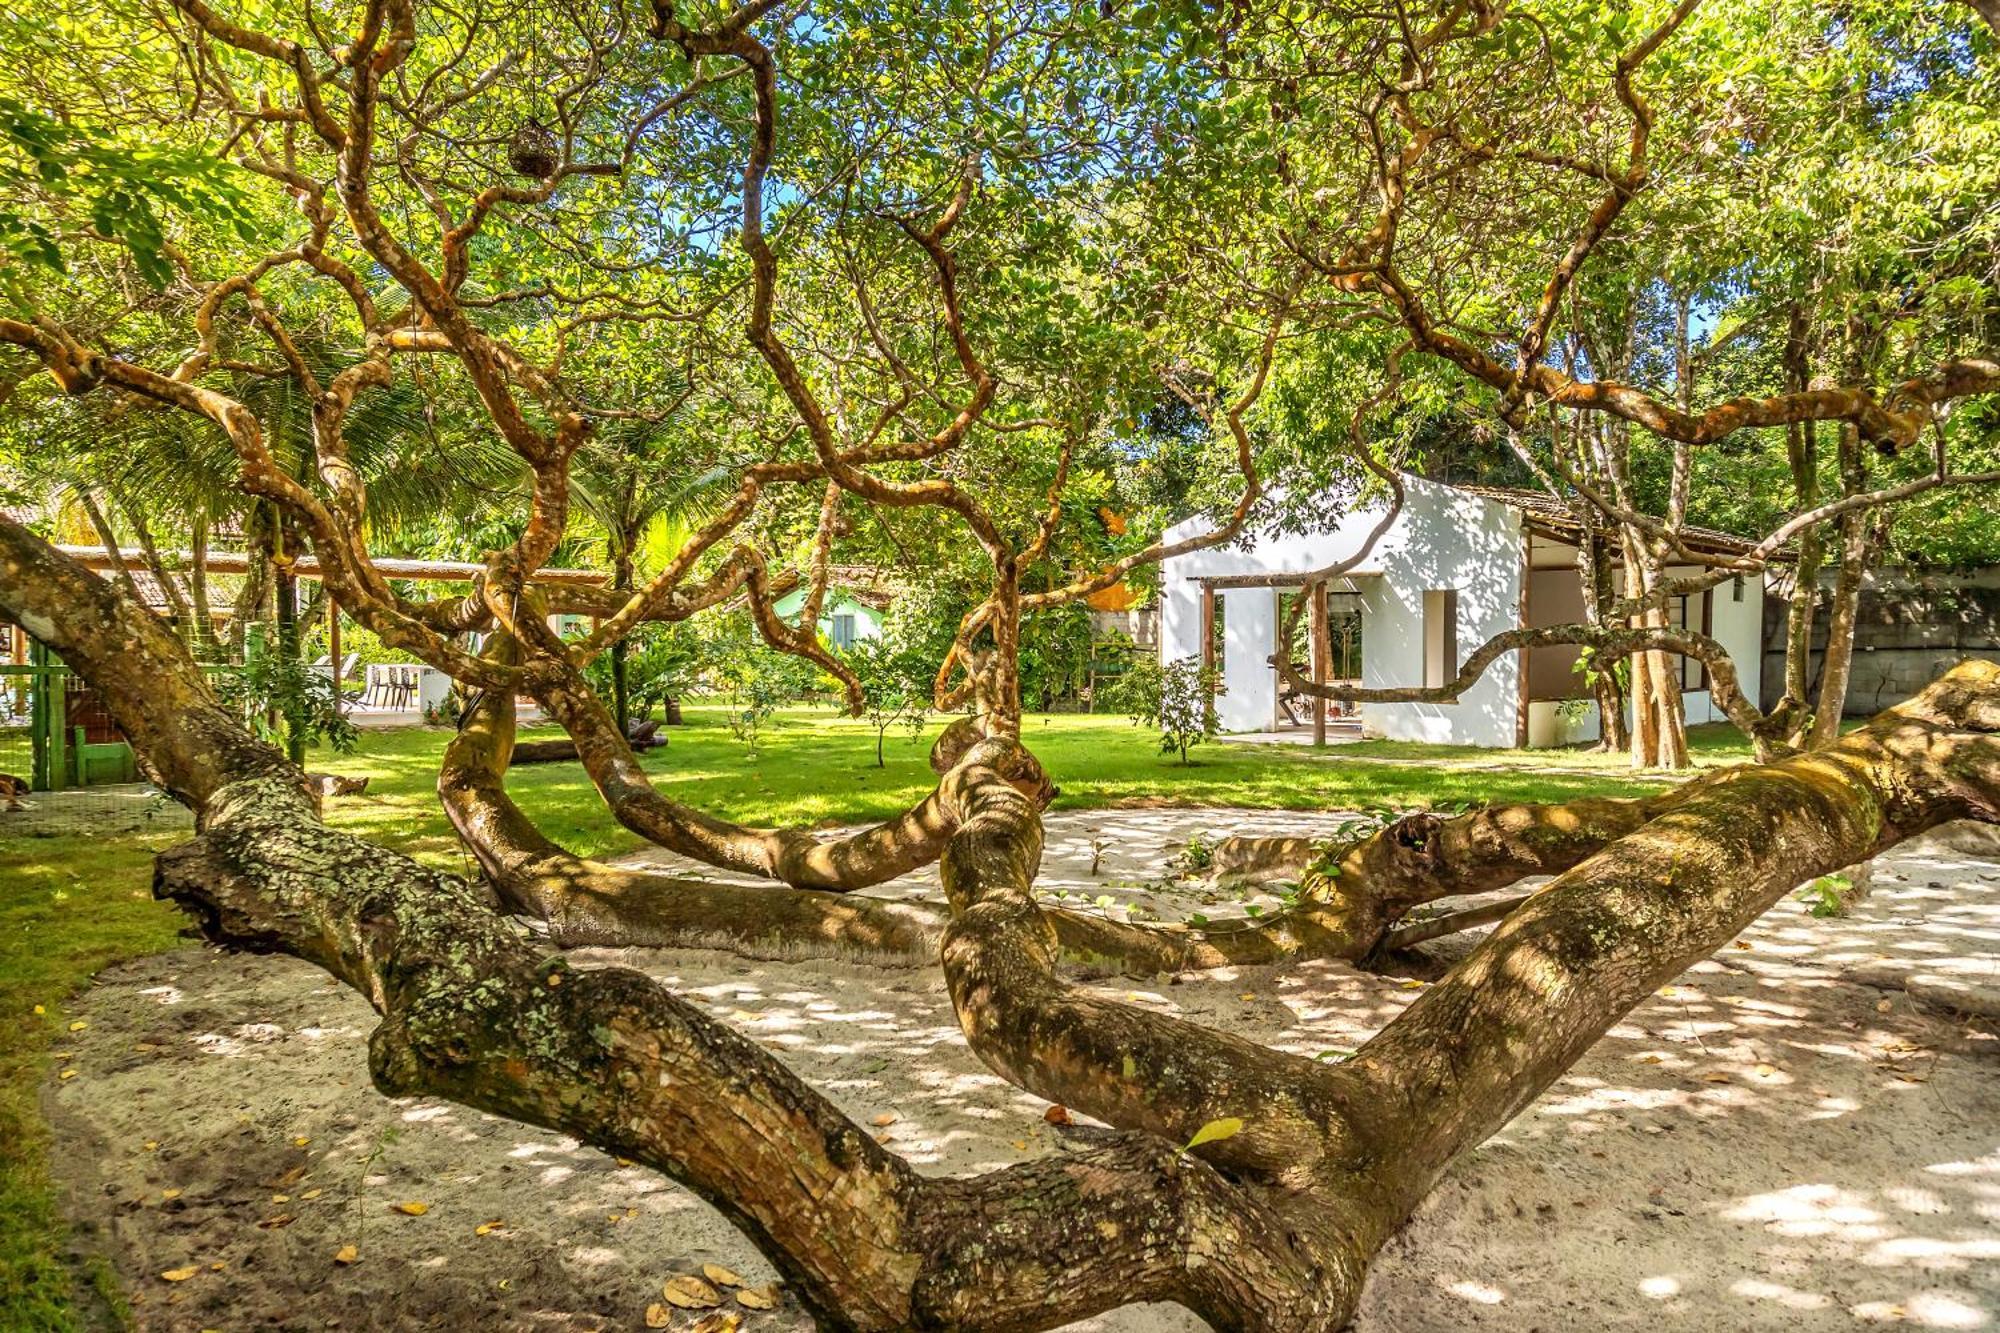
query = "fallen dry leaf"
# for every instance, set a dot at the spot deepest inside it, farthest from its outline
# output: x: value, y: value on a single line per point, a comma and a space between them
x: 78, y: 1026
x: 1057, y: 1114
x: 169, y: 1194
x: 883, y: 1121
x: 67, y: 1073
x: 1715, y: 1076
x: 1767, y: 1071
x: 281, y: 1198
x: 346, y: 1254
x: 722, y: 1321
x: 312, y: 1194
x: 275, y: 1223
x: 691, y: 1293
x: 179, y: 1274
x: 300, y: 1141
x: 413, y: 1208
x: 658, y: 1315
x: 488, y: 1228
x: 720, y: 1276
x: 758, y: 1298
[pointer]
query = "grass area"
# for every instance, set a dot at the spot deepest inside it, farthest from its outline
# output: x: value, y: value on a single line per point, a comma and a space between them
x: 70, y: 905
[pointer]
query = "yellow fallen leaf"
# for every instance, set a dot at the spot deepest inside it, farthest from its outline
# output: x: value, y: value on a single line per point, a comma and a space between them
x: 1649, y: 1059
x: 217, y: 1266
x: 412, y: 1208
x: 312, y: 1194
x: 658, y: 1316
x: 67, y: 1073
x: 722, y: 1321
x: 488, y: 1228
x: 1715, y: 1076
x: 179, y: 1274
x: 720, y: 1276
x: 170, y: 1194
x: 346, y: 1254
x: 151, y: 1145
x: 300, y: 1141
x: 1767, y: 1071
x: 1247, y: 995
x: 758, y: 1298
x: 40, y: 1010
x: 883, y: 1121
x: 281, y: 1198
x: 691, y: 1293
x: 78, y: 1026
x: 1414, y: 983
x: 1020, y: 1145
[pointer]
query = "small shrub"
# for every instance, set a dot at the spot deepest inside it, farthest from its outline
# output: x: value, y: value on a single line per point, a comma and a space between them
x: 1178, y: 698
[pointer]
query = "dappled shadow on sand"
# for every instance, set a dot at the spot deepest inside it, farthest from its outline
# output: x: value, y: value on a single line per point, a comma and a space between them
x: 1784, y: 1137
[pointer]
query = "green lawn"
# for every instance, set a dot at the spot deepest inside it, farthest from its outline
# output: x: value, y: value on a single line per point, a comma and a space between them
x: 71, y: 905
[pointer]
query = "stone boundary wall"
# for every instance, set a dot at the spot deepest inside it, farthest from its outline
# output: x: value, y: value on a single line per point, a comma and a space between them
x: 1910, y: 627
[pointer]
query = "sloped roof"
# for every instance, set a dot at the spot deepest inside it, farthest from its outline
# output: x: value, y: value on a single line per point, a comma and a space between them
x: 1556, y: 516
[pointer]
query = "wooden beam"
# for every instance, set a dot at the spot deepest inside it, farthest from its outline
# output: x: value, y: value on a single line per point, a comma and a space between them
x: 307, y: 566
x: 333, y: 652
x: 1280, y: 580
x: 1207, y: 627
x: 1521, y: 693
x: 1322, y: 649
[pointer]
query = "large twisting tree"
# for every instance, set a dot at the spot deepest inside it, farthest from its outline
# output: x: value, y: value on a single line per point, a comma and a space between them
x: 981, y: 261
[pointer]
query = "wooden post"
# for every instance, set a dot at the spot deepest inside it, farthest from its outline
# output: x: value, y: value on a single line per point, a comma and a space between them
x: 1523, y: 617
x: 1322, y: 649
x: 1207, y: 627
x: 333, y: 650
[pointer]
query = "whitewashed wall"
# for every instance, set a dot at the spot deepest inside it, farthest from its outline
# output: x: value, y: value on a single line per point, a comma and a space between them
x: 1444, y: 539
x: 1739, y: 628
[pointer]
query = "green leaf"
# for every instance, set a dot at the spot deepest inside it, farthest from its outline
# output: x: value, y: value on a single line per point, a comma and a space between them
x: 1228, y: 1127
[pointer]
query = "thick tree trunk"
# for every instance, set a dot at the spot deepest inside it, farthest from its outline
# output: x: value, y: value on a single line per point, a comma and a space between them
x: 1270, y: 1228
x: 1599, y: 592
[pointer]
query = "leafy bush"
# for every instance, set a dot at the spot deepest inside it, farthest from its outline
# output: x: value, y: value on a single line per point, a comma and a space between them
x: 895, y: 689
x: 1178, y: 698
x: 300, y: 699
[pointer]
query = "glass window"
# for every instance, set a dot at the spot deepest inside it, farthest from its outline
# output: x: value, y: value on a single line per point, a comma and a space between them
x: 843, y: 630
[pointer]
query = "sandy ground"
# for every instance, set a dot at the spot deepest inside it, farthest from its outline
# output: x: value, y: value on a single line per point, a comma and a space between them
x: 1802, y: 1133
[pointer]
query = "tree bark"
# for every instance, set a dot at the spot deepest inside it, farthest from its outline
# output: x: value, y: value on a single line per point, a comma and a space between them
x: 1838, y: 661
x: 1270, y: 1228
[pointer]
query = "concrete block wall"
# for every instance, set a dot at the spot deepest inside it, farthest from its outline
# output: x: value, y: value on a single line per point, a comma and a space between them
x: 1910, y: 627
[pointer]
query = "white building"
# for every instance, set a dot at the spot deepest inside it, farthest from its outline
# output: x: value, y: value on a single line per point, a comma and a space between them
x: 1459, y: 565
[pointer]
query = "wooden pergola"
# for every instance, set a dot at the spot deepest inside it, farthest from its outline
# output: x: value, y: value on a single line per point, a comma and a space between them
x: 306, y: 566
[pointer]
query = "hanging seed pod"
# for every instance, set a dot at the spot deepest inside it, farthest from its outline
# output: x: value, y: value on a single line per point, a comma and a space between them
x: 533, y: 150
